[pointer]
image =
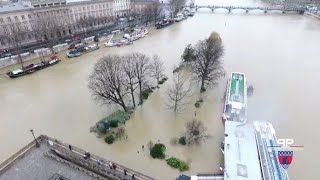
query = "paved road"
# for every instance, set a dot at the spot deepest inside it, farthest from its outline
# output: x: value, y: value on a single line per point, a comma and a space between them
x: 105, y: 30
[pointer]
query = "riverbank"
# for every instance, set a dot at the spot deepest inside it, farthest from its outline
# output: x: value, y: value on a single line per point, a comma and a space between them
x: 312, y: 14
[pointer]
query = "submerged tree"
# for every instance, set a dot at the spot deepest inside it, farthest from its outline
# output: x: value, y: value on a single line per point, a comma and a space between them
x: 141, y: 70
x: 131, y: 78
x: 188, y: 54
x: 106, y: 81
x: 156, y: 68
x: 178, y: 93
x: 195, y: 132
x: 207, y: 66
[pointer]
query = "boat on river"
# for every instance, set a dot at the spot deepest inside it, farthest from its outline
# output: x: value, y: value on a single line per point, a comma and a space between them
x: 91, y: 48
x: 124, y: 42
x: 73, y: 53
x: 235, y: 106
x: 82, y: 49
x: 136, y: 34
x: 31, y: 68
x: 111, y: 43
x: 164, y: 23
x: 180, y: 17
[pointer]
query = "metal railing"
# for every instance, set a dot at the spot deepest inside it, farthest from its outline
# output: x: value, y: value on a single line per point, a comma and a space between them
x: 78, y: 152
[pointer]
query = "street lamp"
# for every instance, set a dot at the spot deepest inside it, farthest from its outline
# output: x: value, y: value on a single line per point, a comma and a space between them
x: 37, y: 144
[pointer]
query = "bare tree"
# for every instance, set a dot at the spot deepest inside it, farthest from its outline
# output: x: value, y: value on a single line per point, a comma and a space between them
x: 47, y: 29
x: 106, y: 81
x: 207, y: 66
x: 141, y: 69
x: 15, y: 35
x: 175, y: 6
x: 131, y: 78
x: 195, y: 132
x: 156, y: 68
x: 179, y: 93
x: 156, y: 10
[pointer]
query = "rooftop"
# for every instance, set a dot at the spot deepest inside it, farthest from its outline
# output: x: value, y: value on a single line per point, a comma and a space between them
x: 14, y: 6
x: 240, y: 152
x: 237, y: 89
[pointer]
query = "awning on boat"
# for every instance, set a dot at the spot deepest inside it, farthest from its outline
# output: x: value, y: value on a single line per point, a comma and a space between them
x: 17, y: 71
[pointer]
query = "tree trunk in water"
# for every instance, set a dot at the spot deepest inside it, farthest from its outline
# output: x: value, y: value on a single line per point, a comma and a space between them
x: 140, y: 93
x: 158, y: 82
x: 132, y: 95
x: 202, y: 86
x: 124, y: 107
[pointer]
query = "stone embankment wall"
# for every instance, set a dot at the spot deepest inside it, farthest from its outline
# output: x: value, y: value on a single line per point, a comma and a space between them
x: 8, y: 61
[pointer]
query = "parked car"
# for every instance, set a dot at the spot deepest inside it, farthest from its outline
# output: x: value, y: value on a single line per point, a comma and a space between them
x: 122, y: 19
x: 68, y: 40
x: 76, y: 38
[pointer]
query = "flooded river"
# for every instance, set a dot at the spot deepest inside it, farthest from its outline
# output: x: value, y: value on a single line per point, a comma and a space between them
x: 278, y: 52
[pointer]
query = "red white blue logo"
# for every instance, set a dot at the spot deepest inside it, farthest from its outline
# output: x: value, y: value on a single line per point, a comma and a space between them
x: 285, y: 158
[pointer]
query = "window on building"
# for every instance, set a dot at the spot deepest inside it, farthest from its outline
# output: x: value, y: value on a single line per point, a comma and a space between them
x: 16, y: 18
x: 1, y: 20
x: 29, y: 16
x: 91, y: 7
x: 29, y: 36
x: 9, y: 19
x: 84, y: 8
x: 22, y: 17
x: 87, y: 7
x: 103, y: 6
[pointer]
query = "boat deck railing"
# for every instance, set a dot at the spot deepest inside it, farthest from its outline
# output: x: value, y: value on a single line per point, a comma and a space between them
x: 262, y: 156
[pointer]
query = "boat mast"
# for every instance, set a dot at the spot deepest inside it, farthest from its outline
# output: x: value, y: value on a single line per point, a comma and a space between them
x: 19, y: 55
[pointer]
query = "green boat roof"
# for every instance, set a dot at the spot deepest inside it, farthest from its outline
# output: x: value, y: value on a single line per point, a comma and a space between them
x: 237, y: 87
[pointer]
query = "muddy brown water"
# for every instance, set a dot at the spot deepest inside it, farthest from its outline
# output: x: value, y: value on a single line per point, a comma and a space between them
x: 278, y: 52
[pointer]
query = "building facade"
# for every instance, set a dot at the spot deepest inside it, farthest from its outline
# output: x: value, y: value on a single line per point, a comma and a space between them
x: 121, y: 7
x: 27, y: 22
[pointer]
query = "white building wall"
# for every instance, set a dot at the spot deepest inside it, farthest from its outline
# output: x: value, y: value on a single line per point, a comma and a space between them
x: 66, y: 15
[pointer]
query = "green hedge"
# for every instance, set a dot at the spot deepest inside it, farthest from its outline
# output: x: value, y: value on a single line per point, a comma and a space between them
x: 178, y: 164
x: 109, y: 139
x: 158, y: 151
x: 119, y: 116
x: 113, y: 123
x: 114, y: 119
